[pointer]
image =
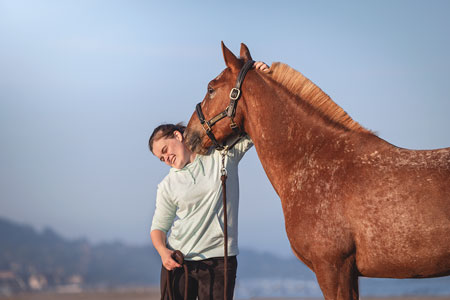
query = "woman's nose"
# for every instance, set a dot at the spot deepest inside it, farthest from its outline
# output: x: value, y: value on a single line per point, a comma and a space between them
x: 166, y: 158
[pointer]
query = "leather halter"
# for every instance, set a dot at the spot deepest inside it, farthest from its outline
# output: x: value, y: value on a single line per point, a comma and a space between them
x: 229, y: 111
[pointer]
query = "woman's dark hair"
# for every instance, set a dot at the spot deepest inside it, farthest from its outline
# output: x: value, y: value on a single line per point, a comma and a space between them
x: 165, y: 131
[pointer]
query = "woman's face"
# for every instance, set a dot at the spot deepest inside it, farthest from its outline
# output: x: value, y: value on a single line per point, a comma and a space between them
x: 172, y: 151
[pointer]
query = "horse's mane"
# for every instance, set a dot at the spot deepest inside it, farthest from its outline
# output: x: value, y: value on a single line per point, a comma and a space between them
x: 304, y: 88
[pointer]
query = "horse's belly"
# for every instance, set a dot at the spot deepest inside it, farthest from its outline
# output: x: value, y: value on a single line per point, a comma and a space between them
x: 422, y: 253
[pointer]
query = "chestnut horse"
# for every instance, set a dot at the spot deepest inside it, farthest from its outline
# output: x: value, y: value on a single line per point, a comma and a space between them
x: 354, y: 205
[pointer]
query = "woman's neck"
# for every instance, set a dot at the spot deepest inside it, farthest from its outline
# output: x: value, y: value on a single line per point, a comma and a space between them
x: 192, y: 157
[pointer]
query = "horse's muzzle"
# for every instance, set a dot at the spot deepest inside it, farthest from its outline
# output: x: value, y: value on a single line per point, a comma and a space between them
x: 193, y: 141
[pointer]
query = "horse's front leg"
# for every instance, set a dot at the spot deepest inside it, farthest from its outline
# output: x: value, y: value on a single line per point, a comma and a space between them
x: 338, y: 279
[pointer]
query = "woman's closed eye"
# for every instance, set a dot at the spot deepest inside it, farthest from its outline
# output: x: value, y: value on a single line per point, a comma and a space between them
x: 163, y: 151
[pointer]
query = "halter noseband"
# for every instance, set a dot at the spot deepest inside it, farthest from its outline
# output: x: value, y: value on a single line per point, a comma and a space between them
x: 229, y: 111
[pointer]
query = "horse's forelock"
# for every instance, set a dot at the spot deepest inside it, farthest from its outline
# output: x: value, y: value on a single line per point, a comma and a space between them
x: 220, y: 75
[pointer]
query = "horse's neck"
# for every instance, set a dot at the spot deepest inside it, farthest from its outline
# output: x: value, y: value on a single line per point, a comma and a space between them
x: 285, y: 136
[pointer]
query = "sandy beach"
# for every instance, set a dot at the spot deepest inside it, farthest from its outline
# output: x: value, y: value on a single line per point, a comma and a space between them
x: 153, y: 294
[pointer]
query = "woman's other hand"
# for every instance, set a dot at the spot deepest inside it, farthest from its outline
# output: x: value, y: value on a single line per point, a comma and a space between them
x: 259, y: 65
x: 167, y: 260
x: 159, y: 242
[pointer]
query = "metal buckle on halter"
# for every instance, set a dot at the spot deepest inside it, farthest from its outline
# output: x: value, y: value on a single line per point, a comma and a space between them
x: 205, y: 126
x: 233, y: 125
x: 235, y: 93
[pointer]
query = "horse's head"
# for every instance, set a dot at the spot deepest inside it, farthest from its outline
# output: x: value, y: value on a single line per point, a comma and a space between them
x: 216, y: 117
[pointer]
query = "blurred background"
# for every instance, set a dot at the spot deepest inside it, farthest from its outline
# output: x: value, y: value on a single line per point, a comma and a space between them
x: 83, y: 84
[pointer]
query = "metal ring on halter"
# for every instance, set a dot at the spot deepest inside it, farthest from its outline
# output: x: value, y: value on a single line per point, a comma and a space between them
x: 223, y: 153
x: 223, y: 172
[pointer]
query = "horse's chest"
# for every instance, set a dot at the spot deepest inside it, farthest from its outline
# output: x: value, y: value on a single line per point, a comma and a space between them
x: 315, y: 213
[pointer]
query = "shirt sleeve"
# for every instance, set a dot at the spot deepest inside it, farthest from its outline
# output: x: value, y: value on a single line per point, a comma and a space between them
x: 242, y: 147
x: 165, y: 211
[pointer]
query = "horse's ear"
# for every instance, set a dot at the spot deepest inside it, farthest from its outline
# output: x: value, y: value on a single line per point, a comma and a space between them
x: 231, y: 60
x: 245, y: 53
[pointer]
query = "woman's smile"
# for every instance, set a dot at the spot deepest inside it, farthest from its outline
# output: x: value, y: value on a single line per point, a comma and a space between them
x: 170, y: 149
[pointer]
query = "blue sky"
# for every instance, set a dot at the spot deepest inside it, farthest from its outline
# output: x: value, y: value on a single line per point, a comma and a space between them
x: 83, y: 84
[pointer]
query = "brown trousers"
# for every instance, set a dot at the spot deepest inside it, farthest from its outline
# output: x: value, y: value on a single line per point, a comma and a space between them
x: 205, y: 279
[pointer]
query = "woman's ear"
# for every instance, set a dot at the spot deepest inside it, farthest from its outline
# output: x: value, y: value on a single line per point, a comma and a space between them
x: 178, y: 135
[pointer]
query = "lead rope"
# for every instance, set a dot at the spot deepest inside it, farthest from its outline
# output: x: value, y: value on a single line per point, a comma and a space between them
x: 179, y: 258
x: 223, y: 171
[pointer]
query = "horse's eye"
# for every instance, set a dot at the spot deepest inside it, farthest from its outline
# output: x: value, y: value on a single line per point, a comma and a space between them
x: 210, y: 90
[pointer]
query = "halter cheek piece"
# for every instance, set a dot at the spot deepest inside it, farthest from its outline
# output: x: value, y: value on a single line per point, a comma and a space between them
x: 229, y: 111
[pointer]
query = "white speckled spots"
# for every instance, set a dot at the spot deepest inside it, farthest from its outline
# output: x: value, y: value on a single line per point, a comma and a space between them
x: 219, y: 76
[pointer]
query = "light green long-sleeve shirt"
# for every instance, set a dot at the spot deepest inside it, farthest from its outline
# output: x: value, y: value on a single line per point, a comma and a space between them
x: 189, y: 203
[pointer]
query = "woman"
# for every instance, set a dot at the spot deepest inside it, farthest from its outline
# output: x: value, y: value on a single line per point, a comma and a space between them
x: 189, y: 204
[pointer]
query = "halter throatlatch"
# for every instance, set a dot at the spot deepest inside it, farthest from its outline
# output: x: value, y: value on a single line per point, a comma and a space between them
x: 229, y: 111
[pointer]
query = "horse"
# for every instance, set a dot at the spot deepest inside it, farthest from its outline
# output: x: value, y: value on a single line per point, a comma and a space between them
x: 354, y: 204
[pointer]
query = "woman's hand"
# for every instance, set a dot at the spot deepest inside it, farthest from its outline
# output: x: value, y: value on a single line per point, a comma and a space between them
x: 167, y: 260
x: 159, y: 242
x: 259, y: 65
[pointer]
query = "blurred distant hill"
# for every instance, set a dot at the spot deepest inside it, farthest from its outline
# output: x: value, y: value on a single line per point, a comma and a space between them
x: 45, y: 259
x: 40, y: 260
